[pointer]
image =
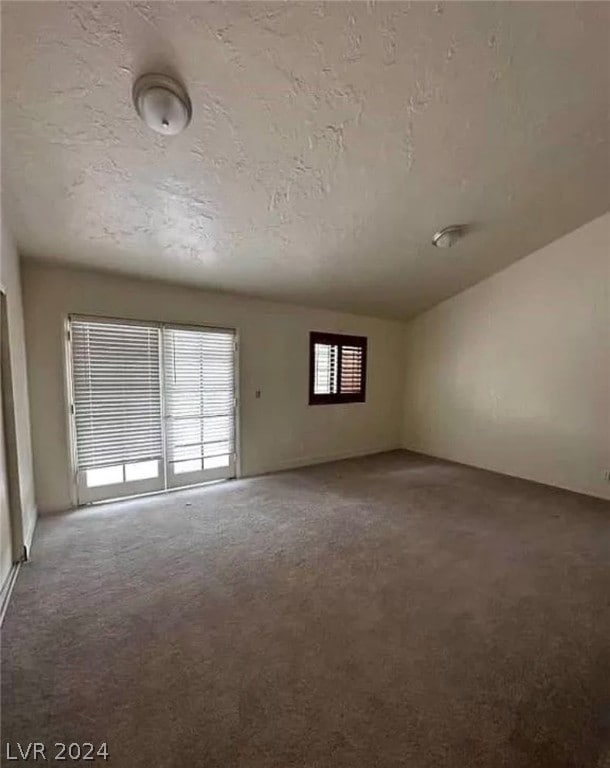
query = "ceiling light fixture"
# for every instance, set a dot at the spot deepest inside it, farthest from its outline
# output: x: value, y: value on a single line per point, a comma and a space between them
x: 162, y: 103
x: 448, y: 236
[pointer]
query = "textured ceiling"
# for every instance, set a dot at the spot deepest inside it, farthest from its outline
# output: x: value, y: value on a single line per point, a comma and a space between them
x: 328, y: 142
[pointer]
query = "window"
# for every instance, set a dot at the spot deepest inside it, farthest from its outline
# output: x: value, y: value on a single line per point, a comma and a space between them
x: 337, y: 368
x: 153, y: 406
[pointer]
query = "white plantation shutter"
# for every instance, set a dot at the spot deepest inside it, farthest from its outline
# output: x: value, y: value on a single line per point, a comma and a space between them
x: 337, y: 368
x: 199, y: 387
x: 325, y: 373
x: 116, y: 391
x: 351, y: 368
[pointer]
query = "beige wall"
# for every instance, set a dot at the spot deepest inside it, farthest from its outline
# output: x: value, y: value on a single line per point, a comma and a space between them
x: 278, y: 431
x: 514, y: 374
x: 11, y: 285
x: 6, y: 546
x: 511, y: 375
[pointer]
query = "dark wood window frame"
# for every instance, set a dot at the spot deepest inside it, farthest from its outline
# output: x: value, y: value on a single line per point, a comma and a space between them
x: 340, y: 340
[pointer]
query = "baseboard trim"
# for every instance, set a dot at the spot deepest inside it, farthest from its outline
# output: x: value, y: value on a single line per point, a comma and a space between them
x: 310, y: 461
x: 592, y: 493
x: 29, y: 536
x: 7, y: 590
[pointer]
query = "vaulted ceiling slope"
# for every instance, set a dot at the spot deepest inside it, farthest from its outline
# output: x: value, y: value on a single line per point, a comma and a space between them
x: 329, y: 141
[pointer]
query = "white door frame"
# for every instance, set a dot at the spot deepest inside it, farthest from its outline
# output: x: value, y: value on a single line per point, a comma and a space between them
x: 18, y: 543
x: 141, y: 489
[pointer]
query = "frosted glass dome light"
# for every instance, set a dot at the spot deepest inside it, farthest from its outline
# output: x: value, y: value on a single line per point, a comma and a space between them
x: 448, y: 236
x: 162, y: 103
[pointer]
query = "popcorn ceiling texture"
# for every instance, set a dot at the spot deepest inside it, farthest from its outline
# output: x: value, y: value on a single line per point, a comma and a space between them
x: 328, y: 142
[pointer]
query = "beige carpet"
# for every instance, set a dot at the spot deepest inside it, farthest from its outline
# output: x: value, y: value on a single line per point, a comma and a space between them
x: 379, y: 612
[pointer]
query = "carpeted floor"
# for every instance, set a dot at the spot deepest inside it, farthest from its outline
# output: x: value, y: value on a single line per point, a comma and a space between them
x: 388, y: 611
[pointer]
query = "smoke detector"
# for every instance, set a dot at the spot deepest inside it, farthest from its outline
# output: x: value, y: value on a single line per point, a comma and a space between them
x: 162, y: 103
x: 448, y: 236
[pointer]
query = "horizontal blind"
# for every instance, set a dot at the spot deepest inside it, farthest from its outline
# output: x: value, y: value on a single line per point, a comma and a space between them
x: 199, y: 393
x: 117, y: 393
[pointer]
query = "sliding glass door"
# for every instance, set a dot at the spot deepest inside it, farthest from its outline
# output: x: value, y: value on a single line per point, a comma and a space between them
x: 199, y: 387
x: 152, y: 406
